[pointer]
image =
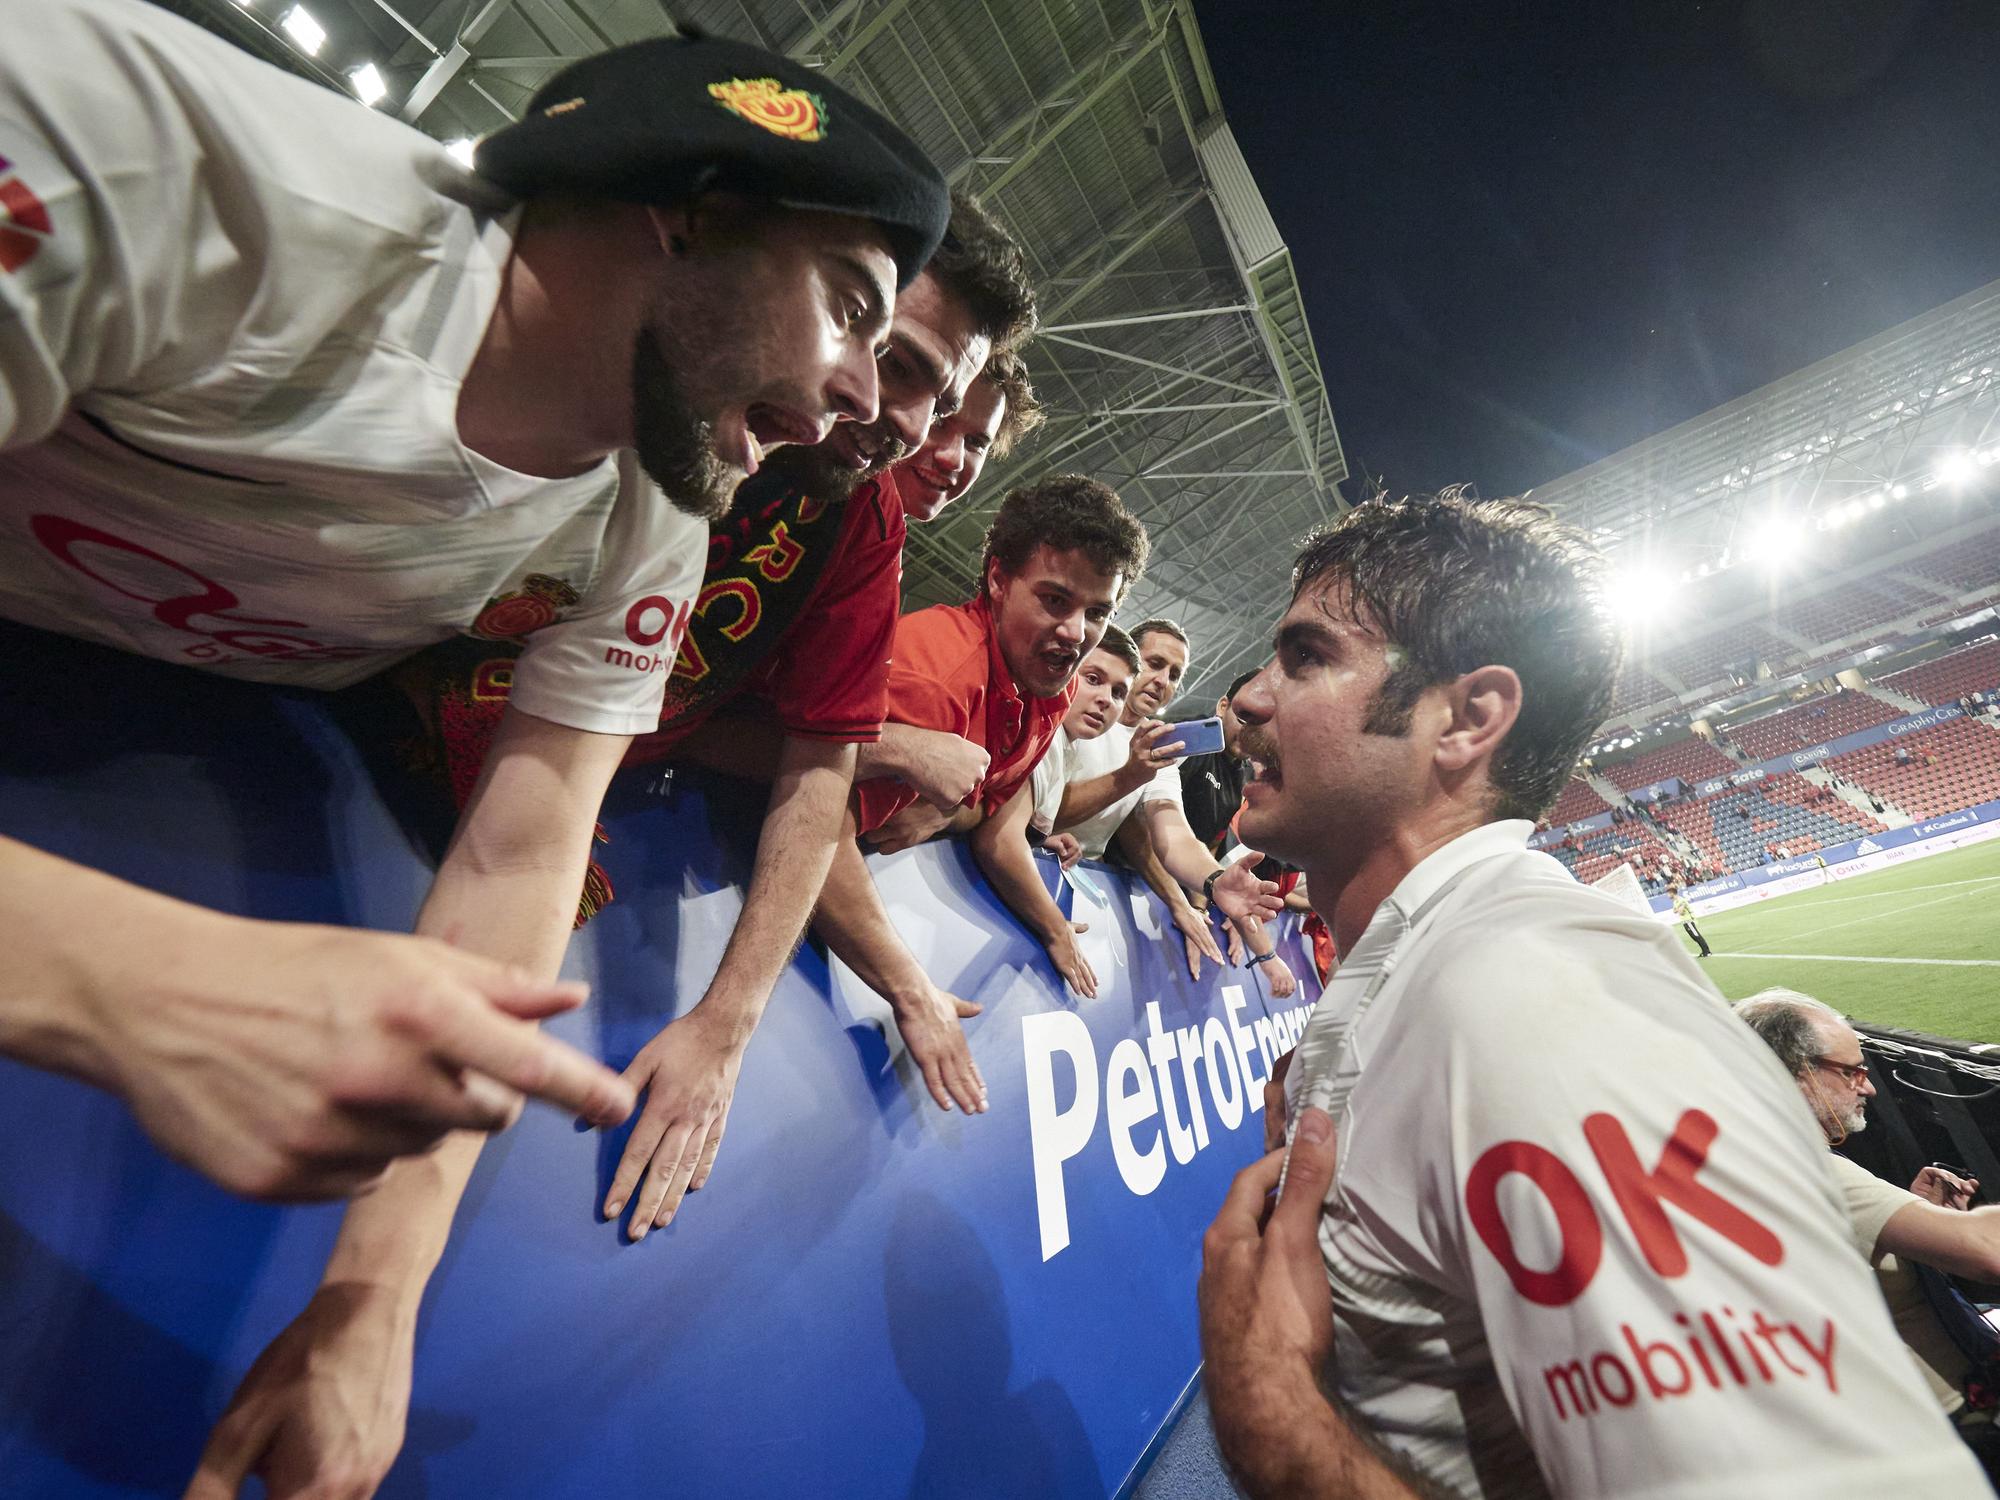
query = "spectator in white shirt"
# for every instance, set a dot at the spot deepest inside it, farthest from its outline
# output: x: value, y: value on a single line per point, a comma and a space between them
x: 1932, y: 1224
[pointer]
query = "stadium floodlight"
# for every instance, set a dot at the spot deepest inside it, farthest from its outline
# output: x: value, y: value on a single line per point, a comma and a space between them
x: 1988, y: 457
x: 1955, y: 468
x: 368, y: 84
x: 1643, y: 592
x: 1777, y: 540
x: 461, y: 148
x: 1854, y: 510
x: 1877, y: 500
x: 1899, y: 492
x: 304, y: 30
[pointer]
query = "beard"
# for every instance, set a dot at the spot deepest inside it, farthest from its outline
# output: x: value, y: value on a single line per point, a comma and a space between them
x: 674, y: 442
x: 812, y: 471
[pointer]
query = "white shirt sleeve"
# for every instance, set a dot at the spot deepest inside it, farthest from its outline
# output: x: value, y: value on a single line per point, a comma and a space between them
x: 1165, y: 786
x: 604, y: 667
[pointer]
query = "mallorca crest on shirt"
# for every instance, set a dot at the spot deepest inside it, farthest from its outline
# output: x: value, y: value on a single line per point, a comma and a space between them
x: 795, y: 114
x: 514, y: 616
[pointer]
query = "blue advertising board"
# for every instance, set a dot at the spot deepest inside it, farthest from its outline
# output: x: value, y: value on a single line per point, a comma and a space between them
x: 871, y: 1297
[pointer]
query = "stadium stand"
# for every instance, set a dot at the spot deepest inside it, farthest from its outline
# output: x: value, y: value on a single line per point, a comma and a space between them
x: 1636, y: 689
x: 1810, y: 723
x: 1852, y: 609
x: 1692, y: 759
x: 1965, y: 565
x: 1579, y: 799
x: 1748, y: 824
x: 1951, y: 766
x: 1705, y: 658
x: 1945, y: 679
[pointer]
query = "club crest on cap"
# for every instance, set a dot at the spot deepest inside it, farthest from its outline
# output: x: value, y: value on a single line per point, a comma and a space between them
x: 794, y: 114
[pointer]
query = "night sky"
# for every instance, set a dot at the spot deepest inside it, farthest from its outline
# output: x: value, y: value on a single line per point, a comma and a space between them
x: 1531, y: 235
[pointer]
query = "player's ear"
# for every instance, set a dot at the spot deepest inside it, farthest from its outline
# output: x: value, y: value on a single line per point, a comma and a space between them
x: 1484, y: 704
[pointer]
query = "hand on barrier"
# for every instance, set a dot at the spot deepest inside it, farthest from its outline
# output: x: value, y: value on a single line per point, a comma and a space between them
x: 1278, y: 975
x: 1070, y: 962
x: 937, y: 1045
x: 296, y: 1062
x: 1064, y: 847
x: 321, y: 1412
x: 1275, y: 1105
x: 1266, y: 1311
x: 910, y: 826
x: 1196, y: 938
x: 688, y: 1073
x: 1234, y: 940
x: 945, y: 768
x: 1240, y: 896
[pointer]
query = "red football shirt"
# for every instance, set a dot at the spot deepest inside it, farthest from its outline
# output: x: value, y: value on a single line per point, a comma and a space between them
x: 949, y: 674
x: 826, y: 675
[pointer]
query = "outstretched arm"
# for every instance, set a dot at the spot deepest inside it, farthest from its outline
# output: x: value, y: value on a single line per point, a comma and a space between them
x: 856, y: 926
x: 1000, y: 844
x: 331, y: 1393
x: 689, y: 1070
x: 1153, y: 747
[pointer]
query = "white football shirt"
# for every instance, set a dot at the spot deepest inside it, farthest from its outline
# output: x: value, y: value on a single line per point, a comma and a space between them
x: 1584, y: 1239
x: 1098, y: 757
x: 232, y: 336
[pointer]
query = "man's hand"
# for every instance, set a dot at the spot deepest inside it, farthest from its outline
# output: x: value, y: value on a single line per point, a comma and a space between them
x: 321, y: 1412
x: 1242, y: 897
x: 689, y: 1074
x: 1275, y: 1104
x: 1153, y: 748
x: 1945, y: 1189
x: 294, y: 1062
x: 945, y: 768
x: 1278, y: 976
x: 1266, y: 1312
x: 1234, y: 942
x: 1196, y: 937
x: 1070, y: 962
x: 938, y: 1047
x: 909, y: 827
x: 1064, y: 847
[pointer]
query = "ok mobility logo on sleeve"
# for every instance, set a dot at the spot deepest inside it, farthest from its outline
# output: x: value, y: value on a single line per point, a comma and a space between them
x: 1211, y: 1058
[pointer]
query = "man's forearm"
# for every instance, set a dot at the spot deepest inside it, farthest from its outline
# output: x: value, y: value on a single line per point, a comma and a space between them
x: 1009, y: 867
x: 57, y: 972
x: 1284, y: 1440
x: 856, y: 926
x: 801, y: 829
x: 891, y: 755
x: 1086, y: 799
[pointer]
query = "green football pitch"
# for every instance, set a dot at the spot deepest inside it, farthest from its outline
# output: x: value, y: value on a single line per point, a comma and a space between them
x: 1916, y: 945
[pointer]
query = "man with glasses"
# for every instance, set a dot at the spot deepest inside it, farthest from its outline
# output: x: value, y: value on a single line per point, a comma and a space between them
x: 1932, y: 1224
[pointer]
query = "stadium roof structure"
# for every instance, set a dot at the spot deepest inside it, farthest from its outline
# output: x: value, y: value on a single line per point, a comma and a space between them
x: 1851, y: 501
x: 1176, y: 360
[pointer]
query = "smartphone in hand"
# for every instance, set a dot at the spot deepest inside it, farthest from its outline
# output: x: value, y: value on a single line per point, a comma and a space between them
x: 1196, y: 736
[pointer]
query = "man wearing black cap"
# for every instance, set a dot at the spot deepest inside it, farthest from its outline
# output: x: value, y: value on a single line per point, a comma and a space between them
x: 286, y: 393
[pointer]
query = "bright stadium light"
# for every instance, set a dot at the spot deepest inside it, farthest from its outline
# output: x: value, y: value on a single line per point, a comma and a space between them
x: 1877, y: 500
x: 368, y: 84
x: 1955, y: 468
x: 306, y: 31
x: 1777, y: 541
x: 1899, y: 492
x: 461, y: 148
x: 1643, y: 592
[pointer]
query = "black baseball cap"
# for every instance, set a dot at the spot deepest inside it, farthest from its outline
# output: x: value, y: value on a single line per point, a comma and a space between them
x: 665, y: 120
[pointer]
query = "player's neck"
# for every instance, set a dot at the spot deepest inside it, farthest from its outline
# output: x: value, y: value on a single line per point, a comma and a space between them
x: 550, y: 391
x: 1347, y: 892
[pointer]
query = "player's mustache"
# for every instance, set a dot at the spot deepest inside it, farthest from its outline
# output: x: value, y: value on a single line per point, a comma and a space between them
x: 1256, y: 744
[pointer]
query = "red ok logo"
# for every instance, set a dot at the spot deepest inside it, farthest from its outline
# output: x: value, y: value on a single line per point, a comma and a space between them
x: 1641, y: 1195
